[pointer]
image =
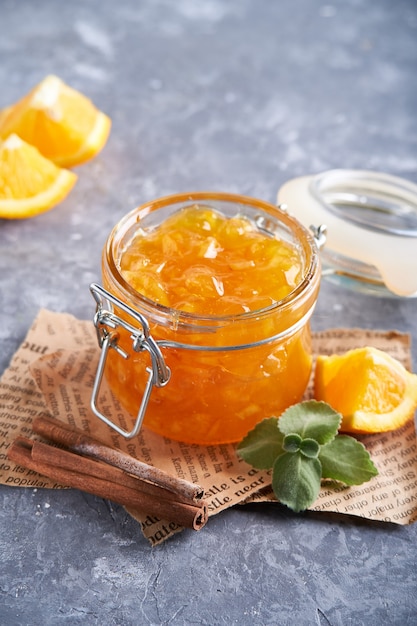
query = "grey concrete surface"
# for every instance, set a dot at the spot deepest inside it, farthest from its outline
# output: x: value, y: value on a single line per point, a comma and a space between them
x: 232, y: 95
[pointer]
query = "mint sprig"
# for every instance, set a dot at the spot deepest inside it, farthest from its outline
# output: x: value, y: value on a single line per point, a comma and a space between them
x: 302, y: 447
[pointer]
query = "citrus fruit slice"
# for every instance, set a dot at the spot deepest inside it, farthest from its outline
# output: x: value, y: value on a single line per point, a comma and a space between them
x: 3, y: 113
x: 29, y: 183
x: 371, y: 389
x: 62, y: 123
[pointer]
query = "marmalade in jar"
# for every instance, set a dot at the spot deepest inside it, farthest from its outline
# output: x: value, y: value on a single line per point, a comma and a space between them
x: 228, y: 291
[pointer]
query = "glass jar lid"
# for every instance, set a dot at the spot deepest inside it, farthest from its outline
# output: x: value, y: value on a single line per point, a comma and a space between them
x: 371, y: 221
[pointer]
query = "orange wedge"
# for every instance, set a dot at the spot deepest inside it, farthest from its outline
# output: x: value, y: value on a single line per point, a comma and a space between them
x: 3, y: 113
x: 29, y: 183
x: 371, y: 389
x: 62, y: 123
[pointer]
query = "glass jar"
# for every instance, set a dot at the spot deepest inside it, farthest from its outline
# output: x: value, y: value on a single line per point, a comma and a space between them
x: 199, y: 378
x: 371, y: 220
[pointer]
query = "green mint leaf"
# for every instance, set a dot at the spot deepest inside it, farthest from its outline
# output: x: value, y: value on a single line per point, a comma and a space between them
x: 311, y: 419
x: 292, y: 442
x: 302, y: 447
x: 262, y: 445
x: 296, y: 480
x: 347, y: 460
x: 310, y: 448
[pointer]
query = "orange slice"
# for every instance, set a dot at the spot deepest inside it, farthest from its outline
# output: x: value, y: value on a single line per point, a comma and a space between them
x: 371, y: 389
x: 62, y: 123
x: 3, y: 113
x: 29, y: 183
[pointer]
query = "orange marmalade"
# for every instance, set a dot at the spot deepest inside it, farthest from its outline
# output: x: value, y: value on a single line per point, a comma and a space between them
x: 227, y: 285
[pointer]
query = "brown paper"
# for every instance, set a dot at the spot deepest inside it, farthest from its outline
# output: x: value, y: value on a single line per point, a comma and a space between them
x: 60, y: 353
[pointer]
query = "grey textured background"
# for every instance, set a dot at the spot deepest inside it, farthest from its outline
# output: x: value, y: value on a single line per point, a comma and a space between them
x: 233, y: 95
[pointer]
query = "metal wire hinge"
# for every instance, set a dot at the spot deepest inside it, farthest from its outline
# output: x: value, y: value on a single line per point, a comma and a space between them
x: 107, y: 324
x: 319, y: 234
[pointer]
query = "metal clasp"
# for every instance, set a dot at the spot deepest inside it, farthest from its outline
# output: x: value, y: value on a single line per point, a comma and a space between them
x: 319, y: 234
x: 107, y: 323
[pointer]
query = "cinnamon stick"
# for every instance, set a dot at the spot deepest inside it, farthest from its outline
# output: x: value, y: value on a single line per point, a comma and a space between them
x: 77, y: 440
x: 21, y: 451
x: 44, y: 453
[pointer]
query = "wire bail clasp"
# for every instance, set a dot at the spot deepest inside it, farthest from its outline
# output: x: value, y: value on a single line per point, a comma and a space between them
x: 319, y: 234
x: 107, y: 323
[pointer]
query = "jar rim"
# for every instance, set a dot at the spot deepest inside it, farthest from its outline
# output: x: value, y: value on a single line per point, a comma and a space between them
x: 304, y: 236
